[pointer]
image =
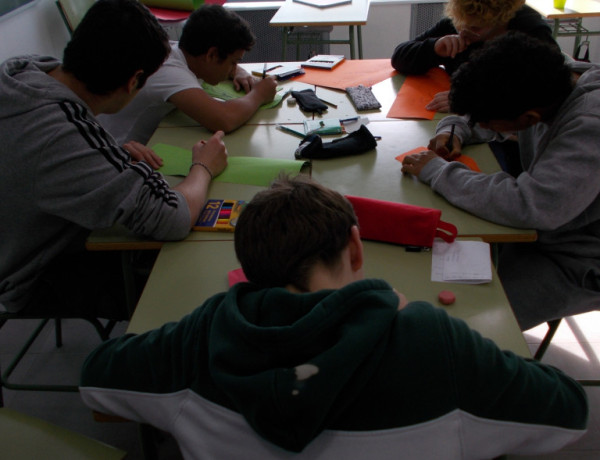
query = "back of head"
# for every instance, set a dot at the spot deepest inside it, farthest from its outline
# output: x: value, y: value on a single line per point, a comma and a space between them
x: 509, y: 75
x: 115, y: 39
x: 491, y: 12
x: 285, y: 230
x: 213, y: 25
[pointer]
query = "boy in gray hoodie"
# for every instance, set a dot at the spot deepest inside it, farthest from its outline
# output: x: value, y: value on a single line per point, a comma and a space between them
x: 519, y: 84
x: 64, y: 175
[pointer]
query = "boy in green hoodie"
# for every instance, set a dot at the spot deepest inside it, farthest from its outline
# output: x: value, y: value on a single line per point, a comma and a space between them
x: 310, y: 357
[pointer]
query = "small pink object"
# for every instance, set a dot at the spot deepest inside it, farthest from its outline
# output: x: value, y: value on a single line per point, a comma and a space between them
x: 446, y: 297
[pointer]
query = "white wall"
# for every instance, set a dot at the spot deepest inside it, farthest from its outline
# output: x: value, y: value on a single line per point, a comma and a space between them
x: 36, y: 29
x: 39, y: 29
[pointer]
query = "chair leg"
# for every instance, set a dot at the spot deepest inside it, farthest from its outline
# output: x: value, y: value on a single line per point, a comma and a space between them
x: 58, y: 332
x: 552, y: 328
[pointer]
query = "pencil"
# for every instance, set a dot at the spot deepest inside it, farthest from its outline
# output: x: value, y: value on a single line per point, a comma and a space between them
x: 450, y: 143
x: 264, y: 71
x: 290, y: 131
x: 331, y: 104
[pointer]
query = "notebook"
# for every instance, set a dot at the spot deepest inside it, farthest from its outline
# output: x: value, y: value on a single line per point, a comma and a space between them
x: 324, y: 61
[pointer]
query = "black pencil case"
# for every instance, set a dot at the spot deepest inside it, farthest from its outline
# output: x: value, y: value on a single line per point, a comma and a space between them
x: 313, y: 147
x: 362, y: 97
x: 308, y: 101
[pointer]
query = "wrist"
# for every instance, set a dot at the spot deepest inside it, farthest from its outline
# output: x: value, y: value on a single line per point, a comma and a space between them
x: 202, y: 165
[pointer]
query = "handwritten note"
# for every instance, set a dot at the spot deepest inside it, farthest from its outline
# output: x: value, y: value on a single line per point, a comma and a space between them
x: 464, y: 262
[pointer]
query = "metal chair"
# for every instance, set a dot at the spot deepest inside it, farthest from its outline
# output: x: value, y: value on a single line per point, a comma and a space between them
x: 103, y: 330
x: 25, y: 437
x: 552, y: 328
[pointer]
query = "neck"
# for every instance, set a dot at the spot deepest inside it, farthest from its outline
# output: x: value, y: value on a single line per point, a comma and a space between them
x: 97, y: 103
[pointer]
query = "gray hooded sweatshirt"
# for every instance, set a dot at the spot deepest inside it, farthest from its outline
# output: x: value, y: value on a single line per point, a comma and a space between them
x: 63, y: 175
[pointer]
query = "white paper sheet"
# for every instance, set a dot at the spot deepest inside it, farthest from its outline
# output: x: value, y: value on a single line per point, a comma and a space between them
x: 465, y: 262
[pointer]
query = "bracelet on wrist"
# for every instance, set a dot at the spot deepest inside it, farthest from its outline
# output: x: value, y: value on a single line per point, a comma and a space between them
x: 199, y: 163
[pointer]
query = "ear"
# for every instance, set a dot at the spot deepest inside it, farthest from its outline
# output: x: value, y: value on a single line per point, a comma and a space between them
x: 212, y: 55
x: 356, y: 249
x: 133, y: 82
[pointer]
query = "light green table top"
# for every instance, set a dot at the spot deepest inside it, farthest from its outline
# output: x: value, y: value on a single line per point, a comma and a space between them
x: 378, y: 175
x: 185, y: 275
x: 374, y: 174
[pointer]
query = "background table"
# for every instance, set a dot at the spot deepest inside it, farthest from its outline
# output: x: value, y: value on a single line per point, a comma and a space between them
x: 185, y: 275
x: 568, y: 21
x: 294, y: 14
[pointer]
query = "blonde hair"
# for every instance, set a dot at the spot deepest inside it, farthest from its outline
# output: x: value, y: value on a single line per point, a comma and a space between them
x: 493, y: 12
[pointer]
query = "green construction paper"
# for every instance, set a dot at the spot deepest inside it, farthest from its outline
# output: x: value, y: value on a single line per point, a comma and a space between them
x: 240, y: 170
x: 225, y: 90
x: 186, y: 5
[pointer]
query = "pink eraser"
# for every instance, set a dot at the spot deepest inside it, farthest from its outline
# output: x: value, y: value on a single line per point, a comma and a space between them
x: 446, y: 297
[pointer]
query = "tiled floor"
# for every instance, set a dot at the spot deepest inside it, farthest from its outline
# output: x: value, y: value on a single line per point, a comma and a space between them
x: 575, y: 349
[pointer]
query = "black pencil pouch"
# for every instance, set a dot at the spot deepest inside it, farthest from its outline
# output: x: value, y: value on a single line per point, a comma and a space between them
x: 312, y: 146
x: 308, y: 101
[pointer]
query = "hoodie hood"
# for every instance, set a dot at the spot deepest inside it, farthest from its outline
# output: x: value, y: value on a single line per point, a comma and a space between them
x: 293, y: 362
x: 26, y: 85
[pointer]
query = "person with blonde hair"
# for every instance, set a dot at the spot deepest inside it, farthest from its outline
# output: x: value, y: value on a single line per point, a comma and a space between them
x: 468, y: 23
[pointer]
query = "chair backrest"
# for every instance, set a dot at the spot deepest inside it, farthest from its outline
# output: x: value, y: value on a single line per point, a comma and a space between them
x: 73, y: 11
x: 25, y: 437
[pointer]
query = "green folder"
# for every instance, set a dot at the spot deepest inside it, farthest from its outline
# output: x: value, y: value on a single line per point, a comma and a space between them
x: 186, y: 5
x: 225, y: 90
x: 240, y: 170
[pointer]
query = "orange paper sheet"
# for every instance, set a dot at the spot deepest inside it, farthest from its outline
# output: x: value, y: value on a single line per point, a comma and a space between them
x: 416, y: 92
x: 366, y: 72
x: 464, y: 159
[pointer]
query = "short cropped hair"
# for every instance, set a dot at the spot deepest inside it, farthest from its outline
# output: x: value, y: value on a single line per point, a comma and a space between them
x: 492, y: 12
x: 283, y: 232
x: 509, y: 75
x: 115, y: 39
x: 212, y: 25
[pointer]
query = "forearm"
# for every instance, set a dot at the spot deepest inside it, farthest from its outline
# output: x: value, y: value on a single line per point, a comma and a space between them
x: 415, y: 57
x: 194, y: 188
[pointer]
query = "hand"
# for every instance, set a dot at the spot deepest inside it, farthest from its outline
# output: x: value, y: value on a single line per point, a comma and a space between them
x: 450, y: 46
x: 212, y: 153
x: 440, y: 102
x: 413, y: 164
x: 242, y: 80
x: 438, y: 145
x: 402, y: 300
x: 266, y: 89
x: 140, y: 152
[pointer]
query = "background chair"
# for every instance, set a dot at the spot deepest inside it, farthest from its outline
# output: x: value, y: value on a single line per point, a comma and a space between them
x: 25, y: 437
x: 73, y: 11
x: 552, y: 328
x: 103, y: 330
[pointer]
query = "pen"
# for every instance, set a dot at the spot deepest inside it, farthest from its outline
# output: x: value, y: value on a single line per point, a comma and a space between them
x: 348, y: 120
x: 450, y: 143
x: 330, y: 104
x: 290, y: 131
x: 264, y: 71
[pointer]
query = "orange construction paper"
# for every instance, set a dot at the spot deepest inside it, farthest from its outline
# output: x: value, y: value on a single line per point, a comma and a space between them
x: 464, y: 159
x: 366, y: 72
x: 416, y: 92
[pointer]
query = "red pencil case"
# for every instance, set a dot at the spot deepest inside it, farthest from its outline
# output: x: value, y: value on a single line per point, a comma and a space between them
x: 400, y: 223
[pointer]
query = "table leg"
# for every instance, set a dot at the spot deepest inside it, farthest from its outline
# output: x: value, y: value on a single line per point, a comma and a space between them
x: 351, y: 40
x: 284, y: 43
x: 360, y: 50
